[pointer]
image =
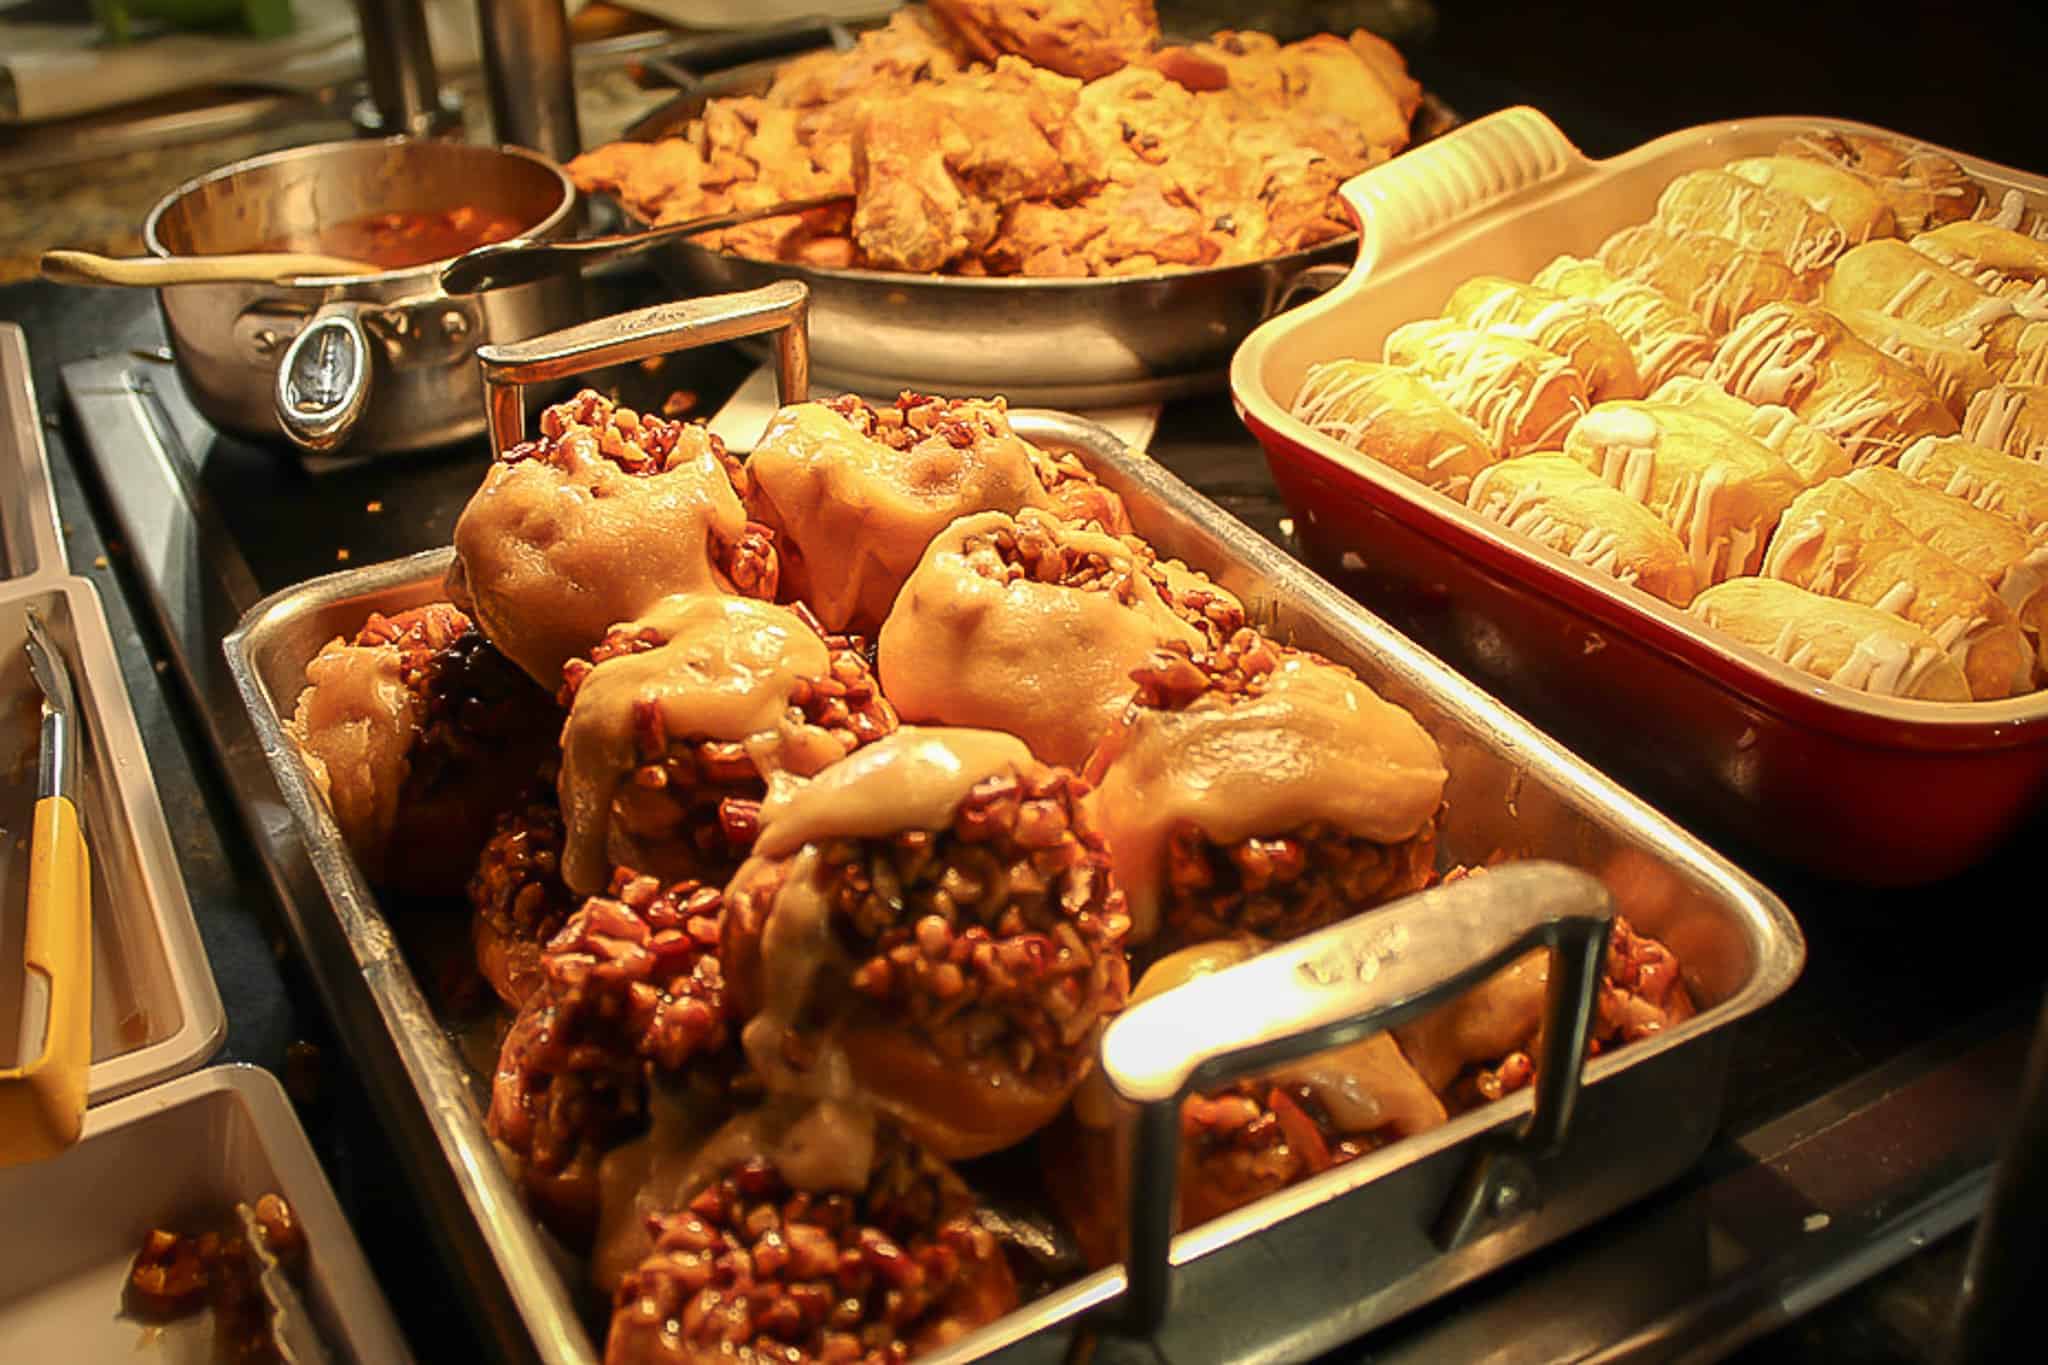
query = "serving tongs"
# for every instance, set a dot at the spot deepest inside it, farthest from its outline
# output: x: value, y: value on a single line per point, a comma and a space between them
x: 42, y: 1100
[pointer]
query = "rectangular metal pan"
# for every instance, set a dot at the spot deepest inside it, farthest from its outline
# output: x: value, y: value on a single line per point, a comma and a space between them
x: 188, y: 1149
x: 1313, y: 1265
x: 1858, y: 787
x: 29, y: 543
x: 155, y: 1008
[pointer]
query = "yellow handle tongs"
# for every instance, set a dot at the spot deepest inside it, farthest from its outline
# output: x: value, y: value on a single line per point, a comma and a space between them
x: 42, y: 1101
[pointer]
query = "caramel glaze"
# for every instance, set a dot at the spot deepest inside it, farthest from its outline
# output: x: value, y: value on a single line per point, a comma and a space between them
x: 1310, y: 744
x: 853, y: 513
x: 1051, y: 661
x: 727, y: 668
x: 557, y: 546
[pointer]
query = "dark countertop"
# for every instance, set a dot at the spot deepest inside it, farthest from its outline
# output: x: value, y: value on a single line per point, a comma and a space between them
x: 1611, y: 77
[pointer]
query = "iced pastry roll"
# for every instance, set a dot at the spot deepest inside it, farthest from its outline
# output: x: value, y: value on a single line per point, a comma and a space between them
x: 1808, y: 360
x: 1813, y: 454
x: 2008, y: 263
x: 1390, y: 414
x: 680, y: 717
x: 1841, y: 642
x: 930, y: 929
x: 1560, y: 504
x: 1955, y: 368
x: 1053, y: 617
x: 1894, y: 279
x: 1989, y: 546
x: 1839, y: 543
x: 594, y: 520
x: 1857, y: 209
x: 1710, y: 277
x: 1520, y: 396
x: 1988, y: 479
x: 1755, y: 217
x: 1563, y: 325
x: 1719, y: 491
x: 855, y: 495
x: 1922, y: 187
x: 1257, y: 789
x: 1665, y: 340
x: 2012, y: 418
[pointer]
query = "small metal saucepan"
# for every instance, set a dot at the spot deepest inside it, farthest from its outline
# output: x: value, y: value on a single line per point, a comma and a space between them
x: 378, y: 363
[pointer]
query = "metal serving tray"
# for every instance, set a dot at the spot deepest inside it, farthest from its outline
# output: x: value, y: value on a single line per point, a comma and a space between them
x: 1858, y: 787
x: 1329, y: 1258
x: 29, y: 543
x: 187, y: 1149
x: 155, y: 1008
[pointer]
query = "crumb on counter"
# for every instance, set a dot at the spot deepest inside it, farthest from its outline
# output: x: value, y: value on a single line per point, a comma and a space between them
x: 342, y: 554
x: 678, y: 402
x: 374, y: 505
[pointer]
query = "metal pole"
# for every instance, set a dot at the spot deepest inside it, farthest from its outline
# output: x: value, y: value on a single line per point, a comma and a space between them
x: 529, y: 75
x: 405, y: 93
x: 2006, y: 1278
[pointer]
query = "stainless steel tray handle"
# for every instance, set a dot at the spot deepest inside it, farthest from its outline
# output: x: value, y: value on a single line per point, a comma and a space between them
x: 1354, y: 979
x: 782, y: 307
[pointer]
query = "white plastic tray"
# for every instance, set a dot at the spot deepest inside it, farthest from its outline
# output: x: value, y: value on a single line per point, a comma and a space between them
x: 180, y: 1151
x: 29, y: 543
x: 156, y: 1010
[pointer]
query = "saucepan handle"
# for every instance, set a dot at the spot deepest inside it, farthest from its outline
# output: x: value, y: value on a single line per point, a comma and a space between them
x: 782, y: 307
x: 1368, y: 974
x: 323, y: 382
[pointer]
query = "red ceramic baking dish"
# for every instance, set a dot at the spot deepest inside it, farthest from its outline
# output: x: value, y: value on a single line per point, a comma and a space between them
x: 1854, y: 786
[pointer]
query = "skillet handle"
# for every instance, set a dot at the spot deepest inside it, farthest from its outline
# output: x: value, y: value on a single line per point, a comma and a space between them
x: 1371, y: 973
x: 782, y: 307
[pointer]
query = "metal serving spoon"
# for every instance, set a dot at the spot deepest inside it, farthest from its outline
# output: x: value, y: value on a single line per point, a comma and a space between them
x: 152, y: 272
x: 523, y: 260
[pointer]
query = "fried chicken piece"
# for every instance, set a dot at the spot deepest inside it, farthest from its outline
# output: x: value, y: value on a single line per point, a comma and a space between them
x: 934, y: 169
x: 1085, y: 38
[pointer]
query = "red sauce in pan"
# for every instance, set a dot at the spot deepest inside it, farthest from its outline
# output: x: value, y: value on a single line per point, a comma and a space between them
x: 394, y: 241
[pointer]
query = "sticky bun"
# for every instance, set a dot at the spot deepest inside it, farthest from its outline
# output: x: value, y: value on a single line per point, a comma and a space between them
x: 677, y: 719
x: 1053, y: 617
x: 1242, y: 1141
x: 603, y: 514
x: 1258, y: 789
x: 414, y: 729
x: 763, y: 1264
x: 629, y: 1018
x: 929, y: 927
x: 855, y: 495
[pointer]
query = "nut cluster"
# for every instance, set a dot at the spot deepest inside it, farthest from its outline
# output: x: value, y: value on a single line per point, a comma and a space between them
x: 1032, y: 550
x: 1176, y: 676
x: 517, y: 885
x: 754, y: 1271
x: 1283, y: 886
x: 638, y: 443
x: 999, y: 934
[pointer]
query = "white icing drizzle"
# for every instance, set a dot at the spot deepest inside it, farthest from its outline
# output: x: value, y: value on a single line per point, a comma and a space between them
x: 1326, y: 395
x: 1771, y: 358
x: 1485, y: 383
x: 1993, y: 421
x: 1524, y: 512
x: 1626, y: 440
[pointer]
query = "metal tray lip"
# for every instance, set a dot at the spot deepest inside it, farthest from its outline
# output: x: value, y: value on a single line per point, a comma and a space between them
x: 1750, y: 673
x: 42, y: 553
x: 202, y: 1024
x: 369, y: 1330
x: 1777, y: 945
